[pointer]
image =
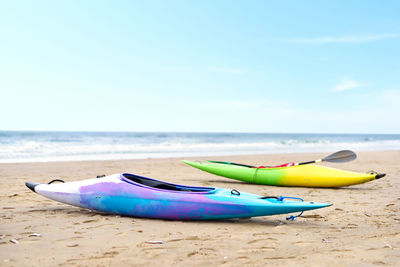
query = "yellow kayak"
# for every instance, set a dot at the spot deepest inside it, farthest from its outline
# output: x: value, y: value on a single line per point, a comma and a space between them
x: 308, y: 175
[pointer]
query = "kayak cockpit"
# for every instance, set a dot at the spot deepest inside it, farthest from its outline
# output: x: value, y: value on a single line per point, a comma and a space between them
x: 127, y: 177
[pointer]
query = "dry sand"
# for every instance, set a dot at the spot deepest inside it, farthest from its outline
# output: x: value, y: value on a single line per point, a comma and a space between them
x: 362, y: 228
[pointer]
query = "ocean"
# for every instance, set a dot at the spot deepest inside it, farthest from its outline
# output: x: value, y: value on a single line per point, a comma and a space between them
x: 42, y: 146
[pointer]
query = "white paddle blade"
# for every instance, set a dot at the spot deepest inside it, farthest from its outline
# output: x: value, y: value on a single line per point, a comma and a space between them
x: 341, y: 156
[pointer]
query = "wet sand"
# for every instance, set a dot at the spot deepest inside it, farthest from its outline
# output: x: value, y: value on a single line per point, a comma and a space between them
x: 362, y: 228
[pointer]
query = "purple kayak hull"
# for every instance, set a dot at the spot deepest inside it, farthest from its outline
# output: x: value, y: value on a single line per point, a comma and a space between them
x: 137, y: 196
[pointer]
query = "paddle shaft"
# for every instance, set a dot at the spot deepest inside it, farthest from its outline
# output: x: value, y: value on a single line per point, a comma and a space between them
x: 309, y: 162
x: 340, y: 156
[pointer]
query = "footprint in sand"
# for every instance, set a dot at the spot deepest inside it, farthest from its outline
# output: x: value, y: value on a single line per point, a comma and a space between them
x: 89, y: 221
x: 340, y: 250
x: 280, y: 258
x: 350, y: 226
x: 334, y: 229
x: 69, y: 239
x: 30, y: 241
x: 256, y: 250
x: 72, y: 260
x: 110, y: 253
x: 257, y: 234
x: 175, y: 240
x: 207, y: 249
x: 101, y: 225
x: 195, y: 237
x: 121, y: 234
x: 202, y: 252
x: 262, y: 240
x: 312, y: 216
x: 120, y: 247
x: 192, y: 254
x: 301, y: 243
x: 105, y: 255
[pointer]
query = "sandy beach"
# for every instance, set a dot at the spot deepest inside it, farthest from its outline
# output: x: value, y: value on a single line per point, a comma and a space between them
x: 362, y: 228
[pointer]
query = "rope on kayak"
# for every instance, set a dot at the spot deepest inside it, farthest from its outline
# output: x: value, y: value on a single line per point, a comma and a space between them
x: 291, y: 217
x: 235, y: 192
x: 282, y: 198
x: 269, y: 197
x: 56, y: 180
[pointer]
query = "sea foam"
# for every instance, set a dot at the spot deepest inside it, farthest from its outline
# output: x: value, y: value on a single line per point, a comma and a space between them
x: 71, y: 146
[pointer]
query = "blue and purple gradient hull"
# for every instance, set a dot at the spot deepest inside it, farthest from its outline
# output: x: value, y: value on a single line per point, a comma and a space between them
x: 137, y: 196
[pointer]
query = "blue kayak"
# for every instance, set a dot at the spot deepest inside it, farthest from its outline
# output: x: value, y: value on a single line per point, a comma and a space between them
x: 133, y: 195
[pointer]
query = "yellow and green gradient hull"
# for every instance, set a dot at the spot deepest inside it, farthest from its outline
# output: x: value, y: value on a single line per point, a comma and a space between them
x: 309, y: 175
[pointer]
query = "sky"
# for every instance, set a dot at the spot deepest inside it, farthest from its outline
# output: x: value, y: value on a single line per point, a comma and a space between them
x: 200, y: 66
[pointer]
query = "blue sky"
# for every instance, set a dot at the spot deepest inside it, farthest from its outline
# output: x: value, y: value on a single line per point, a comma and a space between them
x: 209, y: 66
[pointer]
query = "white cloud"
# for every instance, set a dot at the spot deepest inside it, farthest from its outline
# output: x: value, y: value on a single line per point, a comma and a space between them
x: 347, y: 84
x: 350, y: 39
x: 234, y: 71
